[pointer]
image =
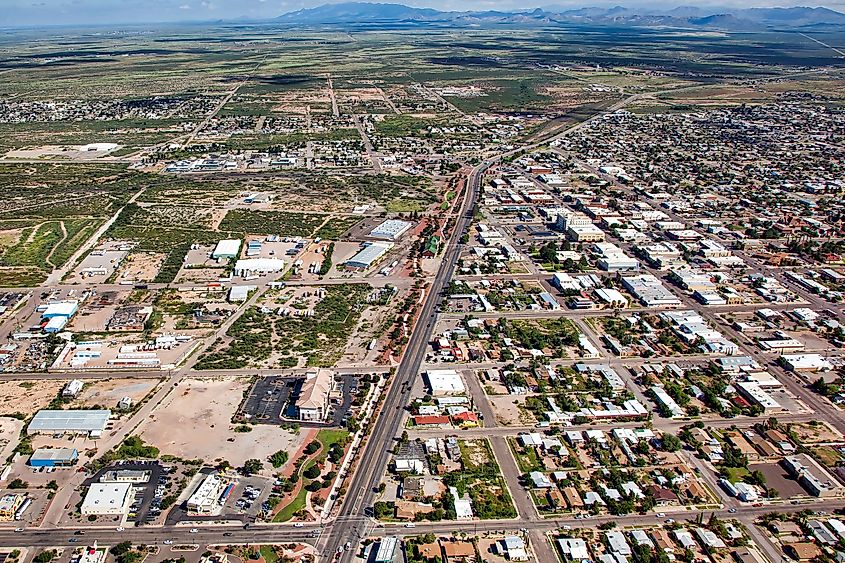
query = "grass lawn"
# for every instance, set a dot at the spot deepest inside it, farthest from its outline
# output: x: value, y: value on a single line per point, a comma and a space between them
x: 735, y: 473
x: 329, y: 437
x: 268, y: 554
x: 294, y: 506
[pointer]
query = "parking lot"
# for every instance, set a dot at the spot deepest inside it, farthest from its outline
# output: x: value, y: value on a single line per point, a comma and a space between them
x: 147, y: 505
x: 272, y: 400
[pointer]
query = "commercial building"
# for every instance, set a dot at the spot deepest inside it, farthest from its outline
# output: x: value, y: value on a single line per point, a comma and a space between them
x: 386, y: 550
x: 53, y: 457
x: 811, y: 476
x: 391, y: 229
x: 650, y: 291
x: 369, y: 255
x: 226, y: 249
x: 107, y: 498
x: 258, y: 266
x: 313, y: 402
x: 240, y: 293
x: 210, y: 495
x: 91, y: 422
x: 613, y: 259
x: 9, y: 504
x: 758, y: 396
x: 444, y: 382
x: 807, y: 363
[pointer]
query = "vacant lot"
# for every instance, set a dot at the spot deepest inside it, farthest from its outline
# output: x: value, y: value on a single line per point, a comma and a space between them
x: 108, y: 392
x: 28, y: 397
x: 194, y: 422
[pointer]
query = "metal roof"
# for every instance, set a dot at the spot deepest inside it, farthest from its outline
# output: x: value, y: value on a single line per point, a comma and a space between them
x: 69, y: 421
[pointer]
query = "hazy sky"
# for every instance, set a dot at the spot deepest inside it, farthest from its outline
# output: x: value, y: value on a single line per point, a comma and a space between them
x: 52, y: 12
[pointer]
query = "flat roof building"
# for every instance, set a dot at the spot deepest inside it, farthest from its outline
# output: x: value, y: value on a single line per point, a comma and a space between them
x: 53, y: 457
x: 226, y: 249
x: 107, y: 498
x: 391, y: 229
x: 91, y: 422
x: 258, y: 266
x: 444, y: 382
x: 369, y: 254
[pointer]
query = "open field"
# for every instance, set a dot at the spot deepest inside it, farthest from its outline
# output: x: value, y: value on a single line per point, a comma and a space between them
x: 194, y: 422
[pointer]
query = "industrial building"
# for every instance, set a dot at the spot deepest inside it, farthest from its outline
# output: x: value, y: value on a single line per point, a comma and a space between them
x: 72, y: 388
x: 313, y: 402
x: 58, y: 314
x: 108, y: 499
x: 90, y: 422
x: 258, y: 266
x: 650, y: 291
x: 391, y: 229
x: 369, y: 255
x: 226, y: 249
x: 53, y: 457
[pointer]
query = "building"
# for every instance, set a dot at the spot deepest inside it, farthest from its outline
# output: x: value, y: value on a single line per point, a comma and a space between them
x: 650, y: 291
x: 573, y: 549
x: 369, y: 255
x: 91, y: 422
x: 53, y: 457
x: 240, y: 293
x: 444, y: 382
x: 125, y: 476
x: 107, y: 498
x: 226, y: 249
x: 391, y: 229
x: 806, y: 363
x: 613, y: 259
x: 9, y: 505
x: 72, y: 388
x: 258, y: 266
x: 386, y: 550
x: 513, y: 548
x: 617, y: 543
x: 313, y: 402
x: 206, y: 498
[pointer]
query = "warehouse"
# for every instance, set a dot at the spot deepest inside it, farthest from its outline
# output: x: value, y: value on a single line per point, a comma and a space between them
x: 226, y: 249
x: 60, y: 309
x: 107, y: 498
x: 258, y: 266
x: 53, y: 457
x: 91, y: 422
x: 369, y: 255
x: 391, y: 229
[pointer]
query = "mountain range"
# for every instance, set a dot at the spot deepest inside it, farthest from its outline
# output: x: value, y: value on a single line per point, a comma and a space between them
x: 733, y: 19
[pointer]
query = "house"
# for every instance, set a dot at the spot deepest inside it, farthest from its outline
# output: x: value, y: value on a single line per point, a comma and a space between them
x: 513, y: 548
x: 458, y: 550
x: 802, y: 551
x: 313, y: 402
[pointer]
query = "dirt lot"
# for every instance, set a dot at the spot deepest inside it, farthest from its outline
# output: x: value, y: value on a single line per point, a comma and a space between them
x: 778, y: 479
x: 508, y: 412
x: 141, y: 266
x: 817, y: 433
x: 194, y: 421
x: 28, y: 397
x: 108, y: 392
x: 10, y: 430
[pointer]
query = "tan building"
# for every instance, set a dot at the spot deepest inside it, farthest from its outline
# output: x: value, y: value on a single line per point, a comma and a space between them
x: 313, y: 402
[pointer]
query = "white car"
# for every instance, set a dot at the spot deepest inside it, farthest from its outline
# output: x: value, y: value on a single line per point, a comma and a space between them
x: 168, y: 542
x: 120, y: 528
x: 410, y: 525
x: 298, y: 525
x: 194, y: 530
x: 19, y: 529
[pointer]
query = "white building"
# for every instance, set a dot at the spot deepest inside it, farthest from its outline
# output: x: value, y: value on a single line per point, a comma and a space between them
x: 258, y: 266
x: 444, y: 382
x: 204, y: 499
x: 226, y: 249
x: 107, y: 498
x: 391, y: 229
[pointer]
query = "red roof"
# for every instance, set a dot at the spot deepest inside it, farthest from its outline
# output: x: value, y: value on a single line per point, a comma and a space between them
x: 466, y: 416
x: 430, y: 420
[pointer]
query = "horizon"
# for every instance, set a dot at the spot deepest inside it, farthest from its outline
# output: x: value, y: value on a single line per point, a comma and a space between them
x: 96, y: 13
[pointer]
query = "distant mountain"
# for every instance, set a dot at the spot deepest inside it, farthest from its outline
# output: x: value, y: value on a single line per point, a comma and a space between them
x: 357, y: 12
x: 740, y: 19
